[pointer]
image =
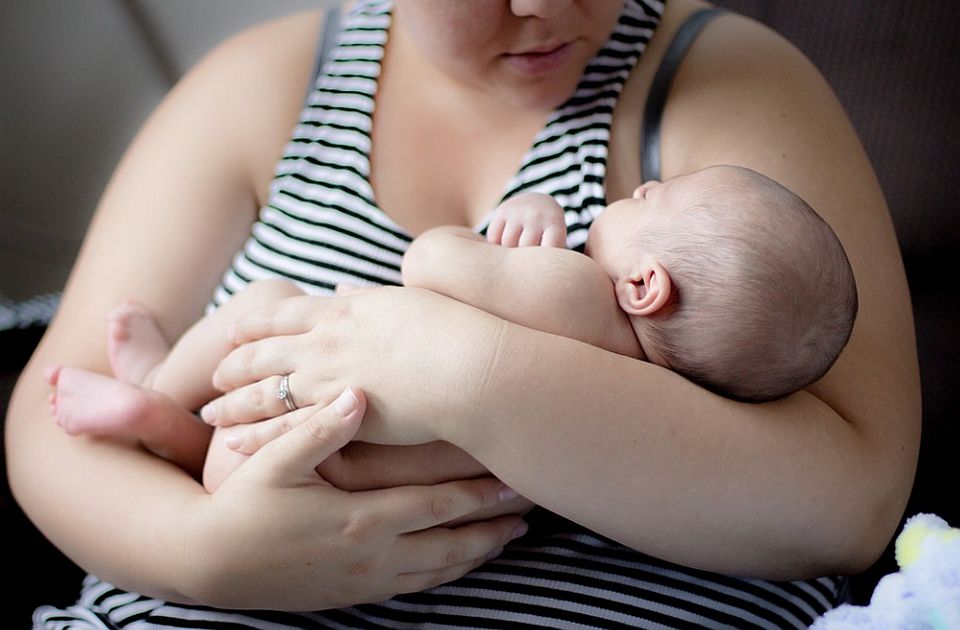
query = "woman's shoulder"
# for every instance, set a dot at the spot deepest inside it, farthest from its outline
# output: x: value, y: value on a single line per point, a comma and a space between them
x: 266, y: 60
x: 738, y: 80
x: 273, y: 40
x: 729, y: 41
x: 735, y: 67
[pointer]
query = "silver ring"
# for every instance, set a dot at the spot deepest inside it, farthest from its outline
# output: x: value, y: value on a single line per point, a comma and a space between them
x: 284, y: 394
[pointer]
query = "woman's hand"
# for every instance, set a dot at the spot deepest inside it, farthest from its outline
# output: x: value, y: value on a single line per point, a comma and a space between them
x: 365, y: 466
x: 404, y: 347
x: 276, y: 535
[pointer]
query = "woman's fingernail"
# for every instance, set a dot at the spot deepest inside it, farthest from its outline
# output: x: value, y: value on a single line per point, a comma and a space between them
x: 519, y: 530
x: 208, y: 414
x: 233, y: 442
x: 345, y: 403
x: 493, y: 554
x: 506, y: 493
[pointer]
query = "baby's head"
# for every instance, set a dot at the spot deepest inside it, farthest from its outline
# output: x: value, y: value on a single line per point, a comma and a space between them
x: 729, y: 279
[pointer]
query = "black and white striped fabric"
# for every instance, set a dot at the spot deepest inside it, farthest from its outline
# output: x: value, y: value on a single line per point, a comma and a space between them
x: 322, y: 226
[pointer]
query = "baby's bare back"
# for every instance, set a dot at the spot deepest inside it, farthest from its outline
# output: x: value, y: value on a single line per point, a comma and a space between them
x: 554, y: 290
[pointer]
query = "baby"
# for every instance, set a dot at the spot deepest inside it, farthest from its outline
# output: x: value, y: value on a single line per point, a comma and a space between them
x: 723, y: 276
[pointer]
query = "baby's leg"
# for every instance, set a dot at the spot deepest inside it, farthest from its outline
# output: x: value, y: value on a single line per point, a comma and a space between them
x: 135, y: 345
x: 185, y: 374
x: 87, y: 402
x: 221, y: 460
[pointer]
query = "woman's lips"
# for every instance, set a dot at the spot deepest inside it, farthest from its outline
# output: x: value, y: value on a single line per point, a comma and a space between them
x: 539, y: 61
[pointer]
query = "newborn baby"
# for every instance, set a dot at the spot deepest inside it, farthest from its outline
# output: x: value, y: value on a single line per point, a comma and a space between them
x: 723, y: 276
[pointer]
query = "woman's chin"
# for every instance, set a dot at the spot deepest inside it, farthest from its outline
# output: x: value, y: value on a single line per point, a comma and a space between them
x: 535, y: 97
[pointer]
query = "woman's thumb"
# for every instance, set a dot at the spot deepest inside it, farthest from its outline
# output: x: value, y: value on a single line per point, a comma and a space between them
x: 329, y: 429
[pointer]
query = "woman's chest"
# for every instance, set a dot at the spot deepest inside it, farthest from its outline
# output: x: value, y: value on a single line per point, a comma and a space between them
x: 428, y: 170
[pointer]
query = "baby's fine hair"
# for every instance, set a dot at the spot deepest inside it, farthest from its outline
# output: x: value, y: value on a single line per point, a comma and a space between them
x: 765, y: 298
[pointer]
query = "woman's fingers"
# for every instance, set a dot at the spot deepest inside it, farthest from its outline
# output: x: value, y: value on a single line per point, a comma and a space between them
x: 250, y: 439
x: 289, y: 316
x: 368, y: 466
x: 256, y: 361
x: 253, y: 402
x: 327, y: 430
x: 442, y: 548
x: 423, y: 580
x: 345, y: 288
x: 413, y: 508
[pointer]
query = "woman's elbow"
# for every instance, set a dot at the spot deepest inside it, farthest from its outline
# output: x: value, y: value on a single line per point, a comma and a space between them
x: 872, y: 516
x: 17, y: 440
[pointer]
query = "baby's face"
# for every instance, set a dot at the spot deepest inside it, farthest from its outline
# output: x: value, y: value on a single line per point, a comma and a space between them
x: 614, y: 237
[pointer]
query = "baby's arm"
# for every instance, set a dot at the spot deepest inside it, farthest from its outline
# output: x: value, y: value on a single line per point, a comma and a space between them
x: 558, y: 291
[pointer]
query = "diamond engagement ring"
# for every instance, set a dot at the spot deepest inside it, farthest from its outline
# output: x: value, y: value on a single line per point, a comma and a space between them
x: 284, y: 394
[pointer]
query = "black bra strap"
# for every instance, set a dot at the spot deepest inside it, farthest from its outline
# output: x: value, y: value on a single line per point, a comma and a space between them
x: 328, y: 38
x: 660, y: 89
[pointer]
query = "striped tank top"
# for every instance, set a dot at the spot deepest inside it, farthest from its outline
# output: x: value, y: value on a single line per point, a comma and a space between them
x: 321, y: 227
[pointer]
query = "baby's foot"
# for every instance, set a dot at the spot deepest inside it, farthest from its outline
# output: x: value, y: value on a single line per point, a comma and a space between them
x: 87, y: 402
x: 135, y: 344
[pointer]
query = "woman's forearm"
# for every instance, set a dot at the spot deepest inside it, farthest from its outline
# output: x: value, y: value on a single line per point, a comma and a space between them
x: 785, y: 489
x: 635, y: 452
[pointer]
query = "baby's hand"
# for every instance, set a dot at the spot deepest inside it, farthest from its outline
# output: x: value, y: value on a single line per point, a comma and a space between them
x: 528, y: 219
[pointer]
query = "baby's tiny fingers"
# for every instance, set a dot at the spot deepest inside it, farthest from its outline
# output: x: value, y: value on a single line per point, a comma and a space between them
x: 511, y: 234
x: 495, y: 229
x: 345, y: 288
x: 555, y: 236
x: 249, y: 440
x: 530, y: 237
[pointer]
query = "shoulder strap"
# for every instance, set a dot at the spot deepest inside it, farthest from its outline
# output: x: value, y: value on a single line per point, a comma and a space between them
x: 328, y: 38
x: 660, y: 89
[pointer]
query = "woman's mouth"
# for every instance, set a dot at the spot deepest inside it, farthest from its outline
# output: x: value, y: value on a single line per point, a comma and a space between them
x: 539, y: 61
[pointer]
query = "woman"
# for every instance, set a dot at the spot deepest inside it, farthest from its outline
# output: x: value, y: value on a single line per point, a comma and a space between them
x: 808, y: 486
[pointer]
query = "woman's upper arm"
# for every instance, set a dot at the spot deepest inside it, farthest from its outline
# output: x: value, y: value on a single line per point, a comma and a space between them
x: 746, y: 96
x: 179, y: 204
x: 184, y: 195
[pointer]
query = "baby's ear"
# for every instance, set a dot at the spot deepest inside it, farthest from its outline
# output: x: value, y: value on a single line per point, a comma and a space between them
x: 646, y: 290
